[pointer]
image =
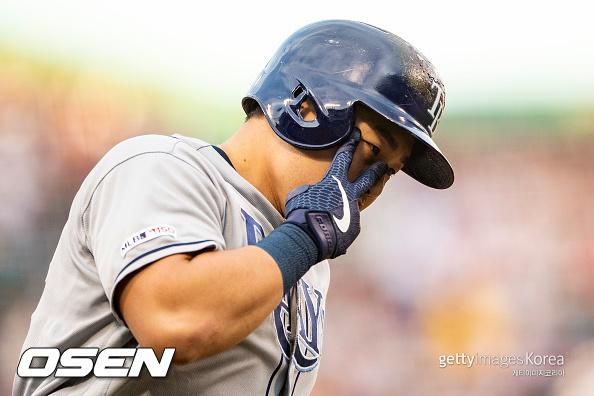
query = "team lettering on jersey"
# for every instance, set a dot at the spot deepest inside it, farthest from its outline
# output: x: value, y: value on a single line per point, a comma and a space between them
x: 310, y: 317
x: 310, y: 314
x: 254, y: 231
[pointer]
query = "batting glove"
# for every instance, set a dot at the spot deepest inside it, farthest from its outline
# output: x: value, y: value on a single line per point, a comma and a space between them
x: 328, y: 210
x: 322, y: 219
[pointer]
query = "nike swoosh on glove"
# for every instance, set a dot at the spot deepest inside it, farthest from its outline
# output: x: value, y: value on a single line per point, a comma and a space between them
x: 328, y: 210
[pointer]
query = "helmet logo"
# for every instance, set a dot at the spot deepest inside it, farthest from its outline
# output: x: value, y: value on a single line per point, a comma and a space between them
x: 437, y: 108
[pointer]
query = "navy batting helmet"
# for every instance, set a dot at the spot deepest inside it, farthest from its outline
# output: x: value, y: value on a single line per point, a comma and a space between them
x: 339, y: 63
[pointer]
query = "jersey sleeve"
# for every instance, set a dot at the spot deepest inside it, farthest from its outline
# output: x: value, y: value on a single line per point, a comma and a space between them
x: 148, y: 207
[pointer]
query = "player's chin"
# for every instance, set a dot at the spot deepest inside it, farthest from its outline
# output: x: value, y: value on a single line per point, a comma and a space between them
x: 365, y: 201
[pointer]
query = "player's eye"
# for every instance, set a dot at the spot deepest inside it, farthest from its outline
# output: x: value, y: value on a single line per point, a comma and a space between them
x: 374, y: 149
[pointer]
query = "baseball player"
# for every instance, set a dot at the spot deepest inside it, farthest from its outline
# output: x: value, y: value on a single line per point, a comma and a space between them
x: 222, y: 252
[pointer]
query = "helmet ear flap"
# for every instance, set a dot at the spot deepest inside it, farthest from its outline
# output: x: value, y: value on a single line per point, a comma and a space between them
x: 302, y: 106
x: 303, y: 121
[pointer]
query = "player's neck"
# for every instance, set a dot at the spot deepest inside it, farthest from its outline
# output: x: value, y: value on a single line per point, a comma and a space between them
x: 250, y: 151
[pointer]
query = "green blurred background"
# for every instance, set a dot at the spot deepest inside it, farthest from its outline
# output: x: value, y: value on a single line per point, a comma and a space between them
x: 500, y: 264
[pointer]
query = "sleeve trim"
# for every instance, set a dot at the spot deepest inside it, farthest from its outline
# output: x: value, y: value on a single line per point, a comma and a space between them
x: 212, y: 246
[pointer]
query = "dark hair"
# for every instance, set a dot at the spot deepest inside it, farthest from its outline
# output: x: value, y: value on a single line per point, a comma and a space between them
x: 255, y: 111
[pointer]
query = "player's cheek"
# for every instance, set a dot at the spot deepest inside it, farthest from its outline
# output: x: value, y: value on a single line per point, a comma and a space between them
x: 358, y: 164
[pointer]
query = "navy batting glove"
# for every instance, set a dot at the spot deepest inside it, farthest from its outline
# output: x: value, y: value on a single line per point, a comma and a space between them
x: 328, y: 210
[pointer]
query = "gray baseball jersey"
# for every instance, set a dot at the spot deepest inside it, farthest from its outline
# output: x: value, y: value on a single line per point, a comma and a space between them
x: 150, y: 197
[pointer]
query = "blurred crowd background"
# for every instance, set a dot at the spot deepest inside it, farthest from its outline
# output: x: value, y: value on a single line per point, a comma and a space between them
x: 500, y: 264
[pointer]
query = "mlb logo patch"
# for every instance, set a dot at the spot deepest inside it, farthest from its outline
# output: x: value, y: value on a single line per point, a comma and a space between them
x: 146, y: 235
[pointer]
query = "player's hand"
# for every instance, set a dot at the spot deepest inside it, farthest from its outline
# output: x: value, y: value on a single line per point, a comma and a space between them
x: 328, y: 210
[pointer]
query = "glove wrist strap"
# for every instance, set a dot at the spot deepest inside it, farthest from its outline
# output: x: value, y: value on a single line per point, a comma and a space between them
x: 294, y: 251
x: 319, y: 226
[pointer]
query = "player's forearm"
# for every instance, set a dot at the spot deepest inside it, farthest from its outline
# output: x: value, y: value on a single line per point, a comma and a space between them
x: 204, y: 305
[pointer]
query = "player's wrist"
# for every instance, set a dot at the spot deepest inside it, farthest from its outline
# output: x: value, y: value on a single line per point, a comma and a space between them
x: 294, y: 251
x: 318, y: 225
